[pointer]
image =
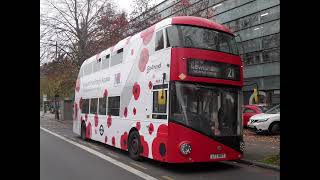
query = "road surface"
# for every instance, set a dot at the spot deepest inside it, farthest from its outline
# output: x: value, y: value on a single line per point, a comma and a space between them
x: 63, y: 155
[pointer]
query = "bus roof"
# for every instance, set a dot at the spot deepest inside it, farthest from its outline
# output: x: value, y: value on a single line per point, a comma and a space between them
x: 183, y: 20
x: 197, y: 21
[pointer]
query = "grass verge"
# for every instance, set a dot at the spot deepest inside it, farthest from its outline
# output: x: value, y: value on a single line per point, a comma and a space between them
x: 273, y: 160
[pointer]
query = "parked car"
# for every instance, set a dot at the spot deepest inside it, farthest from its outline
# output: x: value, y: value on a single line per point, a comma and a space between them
x: 268, y: 121
x: 250, y: 110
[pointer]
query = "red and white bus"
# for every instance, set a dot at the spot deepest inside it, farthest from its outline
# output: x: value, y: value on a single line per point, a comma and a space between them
x: 171, y: 93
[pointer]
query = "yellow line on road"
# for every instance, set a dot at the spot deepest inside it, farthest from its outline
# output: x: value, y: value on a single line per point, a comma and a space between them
x: 166, y: 177
x: 138, y: 165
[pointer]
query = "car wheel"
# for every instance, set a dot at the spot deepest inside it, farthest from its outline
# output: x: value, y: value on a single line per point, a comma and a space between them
x: 134, y: 145
x: 275, y: 128
x: 83, y: 131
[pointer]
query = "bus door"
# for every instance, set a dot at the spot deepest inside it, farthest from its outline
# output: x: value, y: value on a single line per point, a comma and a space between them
x: 160, y: 102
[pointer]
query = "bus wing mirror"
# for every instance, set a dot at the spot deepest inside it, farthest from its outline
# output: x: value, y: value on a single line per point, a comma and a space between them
x: 162, y: 97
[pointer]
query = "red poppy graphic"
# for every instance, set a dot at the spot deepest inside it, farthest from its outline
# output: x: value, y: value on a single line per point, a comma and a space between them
x: 78, y: 85
x: 132, y: 51
x: 113, y: 141
x: 134, y: 111
x: 150, y: 85
x: 124, y: 141
x: 151, y: 128
x: 138, y: 126
x: 144, y: 147
x: 125, y: 113
x: 88, y: 131
x: 136, y: 91
x: 146, y: 35
x: 106, y: 139
x: 96, y: 120
x: 105, y: 94
x: 144, y: 58
x: 86, y: 117
x: 109, y: 121
x: 159, y: 144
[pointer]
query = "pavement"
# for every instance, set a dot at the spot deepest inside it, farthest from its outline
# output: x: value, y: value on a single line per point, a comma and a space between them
x: 74, y: 163
x: 259, y: 147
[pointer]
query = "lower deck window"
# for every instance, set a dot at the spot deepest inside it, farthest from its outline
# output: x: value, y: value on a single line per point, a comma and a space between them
x: 102, y: 105
x: 114, y: 105
x: 85, y: 106
x: 93, y: 106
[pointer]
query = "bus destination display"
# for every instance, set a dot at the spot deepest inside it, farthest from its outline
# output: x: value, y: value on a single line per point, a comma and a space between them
x: 200, y: 68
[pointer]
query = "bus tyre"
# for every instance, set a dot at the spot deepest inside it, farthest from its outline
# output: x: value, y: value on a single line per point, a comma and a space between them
x: 134, y: 145
x: 83, y: 131
x: 275, y: 128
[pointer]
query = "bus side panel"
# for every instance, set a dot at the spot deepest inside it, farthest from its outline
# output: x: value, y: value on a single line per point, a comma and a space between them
x: 133, y: 81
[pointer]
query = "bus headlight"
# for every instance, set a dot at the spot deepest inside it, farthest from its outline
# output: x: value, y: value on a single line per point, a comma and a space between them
x: 185, y: 148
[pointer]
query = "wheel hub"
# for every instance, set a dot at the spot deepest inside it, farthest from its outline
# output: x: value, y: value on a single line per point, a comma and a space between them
x: 134, y: 146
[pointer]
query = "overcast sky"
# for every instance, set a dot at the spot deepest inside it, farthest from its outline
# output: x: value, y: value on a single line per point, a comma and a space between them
x: 126, y: 4
x: 122, y: 4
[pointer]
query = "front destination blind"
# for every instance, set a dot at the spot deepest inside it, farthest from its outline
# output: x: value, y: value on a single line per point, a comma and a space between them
x: 200, y: 68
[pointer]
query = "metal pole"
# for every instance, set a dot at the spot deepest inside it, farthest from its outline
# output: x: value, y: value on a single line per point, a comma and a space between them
x: 43, y: 104
x: 56, y: 107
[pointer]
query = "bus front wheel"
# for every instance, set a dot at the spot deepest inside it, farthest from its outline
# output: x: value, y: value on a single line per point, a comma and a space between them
x: 134, y: 145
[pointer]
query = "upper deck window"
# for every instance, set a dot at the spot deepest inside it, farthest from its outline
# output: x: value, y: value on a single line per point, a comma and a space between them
x: 117, y: 57
x: 159, y: 40
x: 87, y: 69
x: 96, y: 65
x: 105, y: 62
x: 202, y: 38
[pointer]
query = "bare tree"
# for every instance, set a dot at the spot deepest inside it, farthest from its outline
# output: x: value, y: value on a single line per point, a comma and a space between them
x: 72, y: 31
x: 140, y: 6
x: 142, y: 16
x: 68, y: 26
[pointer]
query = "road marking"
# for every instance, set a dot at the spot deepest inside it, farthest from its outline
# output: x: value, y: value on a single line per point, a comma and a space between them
x: 111, y: 154
x: 102, y: 156
x: 138, y: 165
x: 166, y: 177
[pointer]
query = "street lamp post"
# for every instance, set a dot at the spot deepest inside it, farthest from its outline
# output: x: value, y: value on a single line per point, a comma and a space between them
x: 56, y: 107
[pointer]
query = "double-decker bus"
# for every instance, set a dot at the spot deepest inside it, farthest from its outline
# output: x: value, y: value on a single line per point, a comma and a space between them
x: 171, y: 93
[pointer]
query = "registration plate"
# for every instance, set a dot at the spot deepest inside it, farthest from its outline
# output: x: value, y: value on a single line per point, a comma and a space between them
x: 217, y: 156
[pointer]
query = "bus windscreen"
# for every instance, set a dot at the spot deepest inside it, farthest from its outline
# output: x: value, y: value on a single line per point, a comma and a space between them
x: 202, y: 38
x: 211, y: 110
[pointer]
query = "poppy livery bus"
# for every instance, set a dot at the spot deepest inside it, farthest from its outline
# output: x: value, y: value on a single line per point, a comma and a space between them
x: 171, y: 93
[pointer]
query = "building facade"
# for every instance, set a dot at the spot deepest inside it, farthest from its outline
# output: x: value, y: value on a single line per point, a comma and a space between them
x: 258, y: 24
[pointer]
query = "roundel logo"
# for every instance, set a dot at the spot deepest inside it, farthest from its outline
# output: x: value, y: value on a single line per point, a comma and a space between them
x: 101, y: 130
